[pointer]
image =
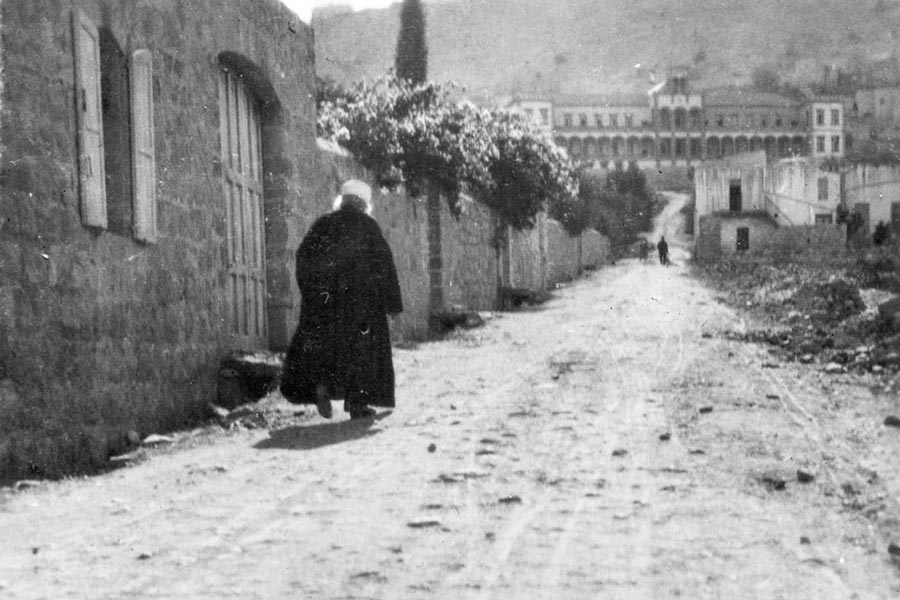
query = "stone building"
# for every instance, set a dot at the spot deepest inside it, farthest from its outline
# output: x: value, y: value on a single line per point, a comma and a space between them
x: 157, y: 165
x: 676, y: 125
x: 745, y: 204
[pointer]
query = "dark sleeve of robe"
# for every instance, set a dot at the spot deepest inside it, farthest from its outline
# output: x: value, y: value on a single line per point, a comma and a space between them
x: 384, y: 272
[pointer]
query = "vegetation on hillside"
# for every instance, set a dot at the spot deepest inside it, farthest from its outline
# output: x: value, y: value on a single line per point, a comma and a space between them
x: 505, y: 47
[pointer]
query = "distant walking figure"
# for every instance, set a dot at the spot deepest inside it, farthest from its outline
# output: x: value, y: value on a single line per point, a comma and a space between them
x: 348, y: 285
x: 663, y: 248
x: 644, y: 251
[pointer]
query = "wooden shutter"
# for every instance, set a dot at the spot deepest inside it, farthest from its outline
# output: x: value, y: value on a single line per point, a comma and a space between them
x: 142, y: 146
x: 91, y: 168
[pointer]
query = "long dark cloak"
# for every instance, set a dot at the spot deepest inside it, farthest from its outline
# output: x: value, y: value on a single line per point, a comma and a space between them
x: 348, y: 285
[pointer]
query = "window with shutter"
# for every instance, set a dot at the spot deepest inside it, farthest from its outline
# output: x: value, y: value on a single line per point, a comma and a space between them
x: 91, y: 169
x: 143, y: 149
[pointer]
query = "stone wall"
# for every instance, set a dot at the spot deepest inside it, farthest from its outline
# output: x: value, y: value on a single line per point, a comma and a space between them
x: 101, y: 333
x: 708, y: 239
x: 527, y: 256
x: 470, y: 254
x: 595, y: 249
x: 809, y: 244
x: 563, y: 254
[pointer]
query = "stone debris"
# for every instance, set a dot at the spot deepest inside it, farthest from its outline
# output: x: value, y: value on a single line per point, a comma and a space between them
x: 26, y: 484
x: 432, y: 447
x: 665, y: 437
x: 510, y: 500
x: 218, y: 411
x: 833, y: 368
x: 821, y: 314
x: 423, y: 524
x: 804, y: 540
x: 619, y: 452
x: 804, y: 476
x: 772, y: 482
x: 154, y: 439
x: 892, y: 421
x: 704, y: 410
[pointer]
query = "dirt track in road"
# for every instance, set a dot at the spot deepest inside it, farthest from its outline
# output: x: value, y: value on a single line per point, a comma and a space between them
x: 548, y: 476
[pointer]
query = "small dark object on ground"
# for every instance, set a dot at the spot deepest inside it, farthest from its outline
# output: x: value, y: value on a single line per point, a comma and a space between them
x: 892, y: 421
x: 706, y: 410
x: 665, y: 437
x: 510, y: 500
x: 516, y: 297
x: 894, y: 549
x: 619, y: 452
x: 697, y: 451
x: 432, y: 447
x: 423, y: 524
x: 449, y: 320
x: 772, y: 482
x: 804, y: 540
x: 804, y: 477
x: 247, y: 376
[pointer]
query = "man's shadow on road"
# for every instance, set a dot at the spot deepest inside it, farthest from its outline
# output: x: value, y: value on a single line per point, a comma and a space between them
x: 310, y: 437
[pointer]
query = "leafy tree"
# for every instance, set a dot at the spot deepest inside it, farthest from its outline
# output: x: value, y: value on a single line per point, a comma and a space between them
x: 619, y: 204
x: 411, y: 60
x: 328, y: 90
x: 417, y: 135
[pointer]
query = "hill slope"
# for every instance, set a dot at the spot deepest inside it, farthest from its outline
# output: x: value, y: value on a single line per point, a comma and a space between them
x: 501, y: 47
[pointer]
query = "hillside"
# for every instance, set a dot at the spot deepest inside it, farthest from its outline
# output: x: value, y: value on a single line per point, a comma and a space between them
x: 501, y: 47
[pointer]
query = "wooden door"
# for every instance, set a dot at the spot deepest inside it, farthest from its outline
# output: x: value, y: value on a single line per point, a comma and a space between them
x: 243, y: 192
x: 743, y: 239
x: 735, y: 201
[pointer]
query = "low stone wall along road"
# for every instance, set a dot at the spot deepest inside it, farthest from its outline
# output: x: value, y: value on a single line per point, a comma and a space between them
x: 608, y: 444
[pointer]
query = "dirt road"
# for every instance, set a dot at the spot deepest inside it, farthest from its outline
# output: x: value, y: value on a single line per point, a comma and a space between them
x: 610, y: 444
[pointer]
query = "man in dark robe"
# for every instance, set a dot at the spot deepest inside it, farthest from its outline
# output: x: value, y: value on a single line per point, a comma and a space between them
x: 348, y: 285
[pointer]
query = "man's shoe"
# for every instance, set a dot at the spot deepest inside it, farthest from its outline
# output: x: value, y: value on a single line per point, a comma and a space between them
x: 323, y: 402
x: 364, y: 412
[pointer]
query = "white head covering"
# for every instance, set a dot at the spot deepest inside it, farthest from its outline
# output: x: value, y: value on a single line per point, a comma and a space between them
x: 357, y: 188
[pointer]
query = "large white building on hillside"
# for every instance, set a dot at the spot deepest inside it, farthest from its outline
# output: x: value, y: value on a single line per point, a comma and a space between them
x: 673, y: 125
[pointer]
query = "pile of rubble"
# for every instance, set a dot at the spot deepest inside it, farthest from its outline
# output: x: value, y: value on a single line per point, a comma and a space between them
x: 815, y: 315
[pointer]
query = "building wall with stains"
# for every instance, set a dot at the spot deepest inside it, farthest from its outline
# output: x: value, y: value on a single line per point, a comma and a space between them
x: 102, y: 332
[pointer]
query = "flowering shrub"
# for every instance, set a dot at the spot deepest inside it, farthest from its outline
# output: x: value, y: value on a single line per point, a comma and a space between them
x: 415, y: 134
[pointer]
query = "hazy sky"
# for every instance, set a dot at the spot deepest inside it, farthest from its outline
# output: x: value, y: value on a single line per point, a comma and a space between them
x: 304, y: 8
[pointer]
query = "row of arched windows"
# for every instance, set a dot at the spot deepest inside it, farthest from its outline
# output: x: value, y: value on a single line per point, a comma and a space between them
x: 588, y: 148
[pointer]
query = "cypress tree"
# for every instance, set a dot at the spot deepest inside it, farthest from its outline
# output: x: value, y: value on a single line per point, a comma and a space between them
x: 411, y: 61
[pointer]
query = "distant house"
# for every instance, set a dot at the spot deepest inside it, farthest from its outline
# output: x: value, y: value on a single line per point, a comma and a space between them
x: 158, y: 168
x: 746, y: 205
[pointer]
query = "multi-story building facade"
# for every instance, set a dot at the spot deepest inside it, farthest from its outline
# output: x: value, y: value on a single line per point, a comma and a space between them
x: 673, y: 125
